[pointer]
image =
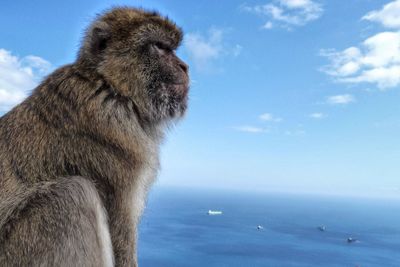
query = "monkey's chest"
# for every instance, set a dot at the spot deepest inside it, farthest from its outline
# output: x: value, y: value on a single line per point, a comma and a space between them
x: 144, y: 178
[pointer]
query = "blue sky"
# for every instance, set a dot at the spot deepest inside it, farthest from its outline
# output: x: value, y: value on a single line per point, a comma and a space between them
x: 287, y: 95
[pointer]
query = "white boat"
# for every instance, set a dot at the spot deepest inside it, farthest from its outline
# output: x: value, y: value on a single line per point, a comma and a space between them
x: 214, y: 212
x: 260, y: 227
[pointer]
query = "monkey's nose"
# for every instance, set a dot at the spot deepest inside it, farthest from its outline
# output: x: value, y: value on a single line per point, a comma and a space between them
x: 184, y: 67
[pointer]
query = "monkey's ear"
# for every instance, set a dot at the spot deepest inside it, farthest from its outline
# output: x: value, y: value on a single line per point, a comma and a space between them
x: 99, y: 37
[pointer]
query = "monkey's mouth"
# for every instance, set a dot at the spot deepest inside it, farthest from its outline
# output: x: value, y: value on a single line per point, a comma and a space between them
x: 180, y: 89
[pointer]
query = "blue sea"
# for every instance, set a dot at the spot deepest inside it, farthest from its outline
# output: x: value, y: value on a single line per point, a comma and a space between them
x: 177, y: 231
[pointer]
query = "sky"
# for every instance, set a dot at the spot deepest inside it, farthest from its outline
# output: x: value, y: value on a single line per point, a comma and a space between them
x: 286, y: 95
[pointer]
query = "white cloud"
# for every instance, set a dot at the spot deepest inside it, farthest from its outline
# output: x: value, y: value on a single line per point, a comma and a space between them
x: 250, y: 129
x: 17, y: 76
x: 287, y: 13
x: 237, y: 49
x: 295, y: 133
x: 38, y: 65
x: 268, y: 25
x: 317, y: 115
x: 376, y: 60
x: 203, y: 50
x: 340, y: 99
x: 388, y: 16
x: 266, y: 117
x: 269, y: 117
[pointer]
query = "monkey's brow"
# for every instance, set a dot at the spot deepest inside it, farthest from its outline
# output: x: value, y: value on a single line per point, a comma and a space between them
x: 163, y: 45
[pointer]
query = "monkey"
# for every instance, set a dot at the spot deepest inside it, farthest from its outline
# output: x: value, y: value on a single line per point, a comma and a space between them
x: 80, y: 153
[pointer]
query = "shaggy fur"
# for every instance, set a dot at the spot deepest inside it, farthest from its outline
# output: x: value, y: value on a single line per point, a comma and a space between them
x: 78, y: 156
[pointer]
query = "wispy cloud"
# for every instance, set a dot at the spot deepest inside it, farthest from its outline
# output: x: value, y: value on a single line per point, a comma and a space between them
x: 295, y: 133
x: 251, y: 129
x: 340, y: 99
x: 17, y: 76
x: 317, y: 115
x: 388, y: 16
x: 265, y: 117
x: 376, y: 60
x: 287, y: 13
x: 269, y: 117
x: 236, y: 50
x: 204, y: 49
x: 268, y: 25
x: 387, y: 123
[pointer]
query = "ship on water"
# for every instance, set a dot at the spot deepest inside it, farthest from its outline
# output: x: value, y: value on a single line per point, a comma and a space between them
x: 214, y: 212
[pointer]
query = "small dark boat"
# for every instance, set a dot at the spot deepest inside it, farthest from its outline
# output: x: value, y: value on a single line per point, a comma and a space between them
x: 351, y: 240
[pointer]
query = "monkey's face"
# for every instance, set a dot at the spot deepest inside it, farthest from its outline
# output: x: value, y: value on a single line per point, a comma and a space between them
x: 168, y: 80
x: 134, y: 51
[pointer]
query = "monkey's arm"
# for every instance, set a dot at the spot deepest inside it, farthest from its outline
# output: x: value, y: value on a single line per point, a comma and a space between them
x: 123, y: 235
x: 62, y: 223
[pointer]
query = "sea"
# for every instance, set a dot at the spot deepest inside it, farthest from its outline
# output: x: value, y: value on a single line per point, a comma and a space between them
x: 267, y: 229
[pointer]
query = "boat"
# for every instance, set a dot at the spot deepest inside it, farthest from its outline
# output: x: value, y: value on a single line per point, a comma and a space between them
x: 351, y: 240
x: 260, y: 227
x: 214, y: 212
x: 322, y: 228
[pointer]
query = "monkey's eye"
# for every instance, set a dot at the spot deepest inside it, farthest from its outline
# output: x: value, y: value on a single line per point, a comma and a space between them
x: 161, y: 48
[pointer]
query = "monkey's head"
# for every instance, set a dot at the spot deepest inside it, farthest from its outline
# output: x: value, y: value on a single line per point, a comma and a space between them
x: 134, y: 51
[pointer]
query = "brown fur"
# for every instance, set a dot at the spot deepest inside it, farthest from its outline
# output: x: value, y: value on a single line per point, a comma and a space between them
x: 88, y: 137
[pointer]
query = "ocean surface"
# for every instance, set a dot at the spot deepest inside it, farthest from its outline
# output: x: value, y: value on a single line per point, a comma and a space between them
x: 177, y: 231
